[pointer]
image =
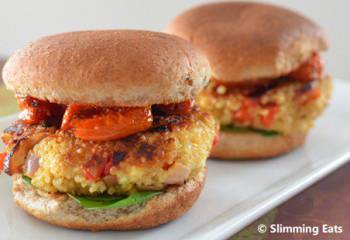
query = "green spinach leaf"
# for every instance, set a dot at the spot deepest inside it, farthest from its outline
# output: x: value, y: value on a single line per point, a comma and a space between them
x: 106, y: 201
x: 133, y: 199
x: 267, y: 133
x: 27, y: 180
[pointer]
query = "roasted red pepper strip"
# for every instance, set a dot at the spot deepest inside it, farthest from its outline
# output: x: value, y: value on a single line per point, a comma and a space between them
x: 310, y: 96
x: 2, y: 159
x: 166, y: 166
x: 107, y: 168
x: 177, y: 108
x: 243, y: 114
x: 34, y: 110
x: 107, y: 124
x: 71, y: 110
x: 310, y: 70
x: 217, y: 135
x: 267, y: 119
x: 93, y: 169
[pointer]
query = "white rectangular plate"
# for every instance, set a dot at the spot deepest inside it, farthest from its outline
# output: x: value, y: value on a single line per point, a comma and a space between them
x: 236, y: 193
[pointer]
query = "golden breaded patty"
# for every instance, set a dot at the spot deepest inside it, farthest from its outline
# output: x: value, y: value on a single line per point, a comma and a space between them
x: 170, y: 153
x: 294, y: 113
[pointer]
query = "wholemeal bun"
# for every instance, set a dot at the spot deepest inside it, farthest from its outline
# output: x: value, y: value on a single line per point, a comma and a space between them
x: 59, y: 209
x: 240, y: 146
x: 247, y: 42
x: 108, y: 68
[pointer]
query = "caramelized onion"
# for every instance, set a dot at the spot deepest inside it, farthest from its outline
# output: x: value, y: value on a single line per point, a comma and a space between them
x: 31, y: 165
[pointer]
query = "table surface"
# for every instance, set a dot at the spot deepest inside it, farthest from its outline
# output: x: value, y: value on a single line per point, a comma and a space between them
x: 326, y: 202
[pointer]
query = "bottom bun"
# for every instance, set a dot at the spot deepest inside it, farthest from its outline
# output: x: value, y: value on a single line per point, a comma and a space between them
x: 240, y: 146
x: 61, y: 210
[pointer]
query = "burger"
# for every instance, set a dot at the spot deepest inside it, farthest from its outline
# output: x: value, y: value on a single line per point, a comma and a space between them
x: 109, y: 137
x: 268, y: 83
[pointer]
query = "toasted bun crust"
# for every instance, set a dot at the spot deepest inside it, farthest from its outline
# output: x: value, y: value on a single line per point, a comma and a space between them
x: 112, y: 68
x: 246, y: 41
x: 240, y: 146
x: 58, y: 209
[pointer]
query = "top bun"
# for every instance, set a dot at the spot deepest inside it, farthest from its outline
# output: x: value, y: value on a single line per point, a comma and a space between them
x: 247, y: 41
x: 108, y: 68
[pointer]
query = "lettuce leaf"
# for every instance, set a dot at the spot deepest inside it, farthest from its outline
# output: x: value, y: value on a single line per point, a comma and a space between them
x: 102, y: 203
x: 266, y: 133
x: 104, y: 198
x: 27, y: 180
x: 105, y: 201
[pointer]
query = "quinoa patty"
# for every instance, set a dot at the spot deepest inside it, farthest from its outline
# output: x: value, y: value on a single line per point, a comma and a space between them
x: 294, y: 106
x: 171, y: 152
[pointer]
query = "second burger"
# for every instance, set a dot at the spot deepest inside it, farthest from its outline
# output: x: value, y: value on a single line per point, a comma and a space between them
x: 109, y: 136
x: 268, y: 82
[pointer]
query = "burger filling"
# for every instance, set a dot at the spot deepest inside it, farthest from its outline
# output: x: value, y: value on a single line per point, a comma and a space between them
x: 282, y: 106
x: 90, y: 151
